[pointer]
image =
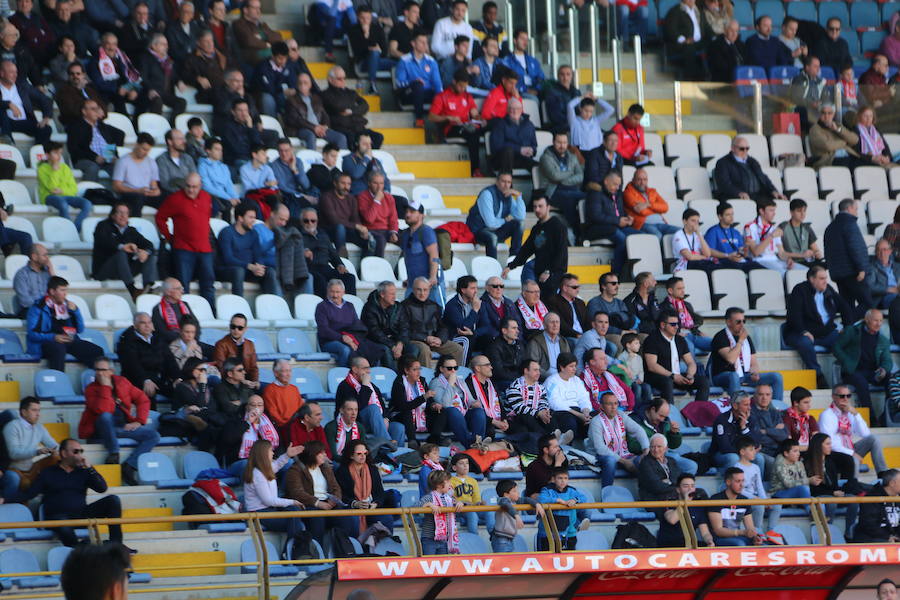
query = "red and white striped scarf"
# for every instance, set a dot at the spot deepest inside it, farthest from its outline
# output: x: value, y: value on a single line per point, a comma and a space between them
x: 488, y: 398
x: 263, y: 430
x: 342, y: 433
x: 531, y: 395
x: 356, y: 385
x: 167, y: 312
x: 460, y: 399
x: 445, y: 523
x: 845, y: 426
x: 413, y: 392
x: 612, y: 385
x: 684, y: 315
x: 614, y: 434
x: 802, y: 425
x: 534, y: 319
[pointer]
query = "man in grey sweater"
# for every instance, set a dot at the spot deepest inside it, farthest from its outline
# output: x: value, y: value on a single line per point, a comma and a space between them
x: 26, y: 438
x: 175, y: 164
x: 608, y: 433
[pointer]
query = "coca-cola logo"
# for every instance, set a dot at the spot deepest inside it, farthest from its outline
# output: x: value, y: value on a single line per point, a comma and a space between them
x: 645, y: 575
x: 780, y: 571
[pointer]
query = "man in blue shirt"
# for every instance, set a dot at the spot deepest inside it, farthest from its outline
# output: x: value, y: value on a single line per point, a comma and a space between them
x: 498, y: 214
x: 726, y: 243
x: 418, y: 77
x: 418, y: 243
x: 242, y: 256
x: 531, y: 75
x: 293, y: 183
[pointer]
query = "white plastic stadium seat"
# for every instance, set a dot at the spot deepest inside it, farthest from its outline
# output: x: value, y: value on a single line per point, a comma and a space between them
x: 35, y: 155
x: 181, y: 122
x: 433, y: 201
x: 154, y: 124
x: 146, y: 228
x: 662, y: 179
x: 89, y: 321
x: 69, y: 268
x: 485, y: 267
x: 681, y: 150
x: 730, y: 287
x: 707, y: 210
x: 269, y: 122
x: 15, y: 192
x: 697, y: 285
x: 644, y: 253
x: 275, y: 309
x: 457, y: 269
x: 146, y: 302
x: 14, y: 154
x: 800, y: 182
x: 714, y: 146
x: 693, y: 182
x: 676, y: 209
x: 203, y: 311
x: 22, y: 224
x: 871, y: 183
x: 880, y: 211
x: 230, y: 304
x: 390, y: 166
x: 217, y: 225
x: 122, y: 123
x: 87, y: 229
x: 894, y: 181
x: 356, y: 301
x: 768, y: 287
x: 835, y: 183
x: 653, y: 142
x: 893, y: 142
x: 744, y: 211
x: 115, y: 308
x: 305, y: 307
x: 375, y: 269
x: 12, y: 264
x: 785, y: 143
x: 759, y: 148
x: 58, y: 230
x: 774, y: 176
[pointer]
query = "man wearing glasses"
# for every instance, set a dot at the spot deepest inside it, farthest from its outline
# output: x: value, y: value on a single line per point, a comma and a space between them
x: 734, y: 358
x: 494, y: 308
x: 664, y: 353
x: 621, y: 319
x: 235, y: 345
x: 572, y: 311
x: 167, y: 314
x: 739, y: 175
x: 65, y: 487
x: 482, y: 389
x: 843, y: 422
x: 833, y: 50
x: 114, y: 409
x: 322, y: 257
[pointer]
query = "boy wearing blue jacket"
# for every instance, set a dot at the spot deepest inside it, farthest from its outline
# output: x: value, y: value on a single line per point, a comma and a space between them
x: 558, y: 491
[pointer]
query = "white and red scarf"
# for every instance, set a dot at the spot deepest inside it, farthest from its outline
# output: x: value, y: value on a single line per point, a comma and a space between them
x: 614, y: 434
x: 844, y: 426
x: 413, y: 392
x: 167, y: 312
x: 802, y: 425
x: 356, y: 385
x: 534, y: 319
x: 445, y: 522
x: 60, y: 313
x: 870, y: 141
x: 108, y: 68
x: 488, y: 398
x: 531, y: 395
x: 684, y: 315
x: 435, y: 466
x: 460, y: 399
x: 263, y: 430
x: 342, y: 433
x: 742, y: 364
x: 612, y: 385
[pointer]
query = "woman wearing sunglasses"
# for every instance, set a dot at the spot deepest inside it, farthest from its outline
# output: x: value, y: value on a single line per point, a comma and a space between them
x: 463, y: 410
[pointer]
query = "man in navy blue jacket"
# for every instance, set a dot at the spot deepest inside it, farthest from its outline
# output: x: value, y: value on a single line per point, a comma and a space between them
x: 606, y: 217
x: 242, y: 255
x: 461, y: 311
x: 730, y: 426
x: 270, y: 79
x: 513, y: 139
x: 764, y: 49
x: 495, y: 307
x: 847, y: 257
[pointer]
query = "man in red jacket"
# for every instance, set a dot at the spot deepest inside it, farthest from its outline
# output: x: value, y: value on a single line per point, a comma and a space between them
x: 190, y: 210
x: 113, y: 409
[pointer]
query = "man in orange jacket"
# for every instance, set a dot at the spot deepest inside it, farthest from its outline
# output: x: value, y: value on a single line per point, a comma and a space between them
x: 646, y: 206
x: 113, y: 409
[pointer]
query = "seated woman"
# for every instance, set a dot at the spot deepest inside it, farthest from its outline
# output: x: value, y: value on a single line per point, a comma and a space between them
x: 821, y: 463
x: 311, y: 483
x: 463, y: 411
x: 789, y: 479
x: 361, y: 486
x: 192, y: 398
x: 187, y: 345
x: 872, y: 146
x: 413, y: 403
x: 261, y: 489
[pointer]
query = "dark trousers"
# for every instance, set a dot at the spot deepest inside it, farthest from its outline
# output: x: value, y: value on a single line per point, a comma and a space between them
x: 108, y: 507
x: 617, y: 237
x: 857, y: 295
x: 28, y: 126
x: 187, y: 263
x: 491, y: 237
x: 566, y: 198
x: 353, y: 137
x: 894, y: 320
x: 860, y: 380
x: 806, y: 348
x: 322, y: 273
x: 666, y: 386
x: 566, y: 421
x: 330, y: 26
x: 509, y: 158
x: 341, y: 234
x: 84, y: 352
x: 416, y: 94
x: 319, y: 525
x: 155, y: 105
x: 529, y: 424
x: 121, y: 266
x: 381, y: 239
x: 11, y: 237
x: 238, y: 275
x: 473, y: 143
x: 136, y: 202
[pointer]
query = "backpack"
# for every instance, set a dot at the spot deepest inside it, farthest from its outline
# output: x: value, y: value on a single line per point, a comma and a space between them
x: 633, y: 535
x: 337, y: 544
x: 445, y: 247
x: 208, y: 497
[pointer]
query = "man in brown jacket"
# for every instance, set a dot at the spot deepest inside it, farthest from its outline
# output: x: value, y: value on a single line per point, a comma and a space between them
x: 831, y: 143
x: 205, y: 68
x: 254, y: 37
x: 236, y: 345
x: 305, y: 116
x: 71, y: 96
x: 339, y: 211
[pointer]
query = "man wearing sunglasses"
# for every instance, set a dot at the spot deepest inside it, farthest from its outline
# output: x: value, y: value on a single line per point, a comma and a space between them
x: 621, y: 319
x: 235, y: 345
x: 843, y: 422
x: 739, y: 175
x: 664, y: 353
x: 494, y: 308
x: 833, y: 50
x: 734, y: 358
x: 572, y: 311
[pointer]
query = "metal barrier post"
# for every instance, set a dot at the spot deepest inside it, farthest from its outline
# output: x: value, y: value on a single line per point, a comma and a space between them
x: 676, y: 92
x: 262, y: 555
x: 552, y: 55
x: 573, y: 43
x: 757, y: 107
x: 838, y: 100
x: 529, y: 27
x: 617, y: 77
x: 687, y: 527
x: 595, y: 44
x: 638, y: 68
x: 510, y: 24
x: 821, y: 522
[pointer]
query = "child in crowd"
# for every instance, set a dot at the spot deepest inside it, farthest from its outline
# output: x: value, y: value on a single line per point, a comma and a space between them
x: 849, y: 91
x: 558, y: 491
x: 431, y: 461
x: 196, y: 138
x: 466, y: 490
x: 789, y: 479
x: 508, y: 522
x: 57, y: 186
x: 753, y: 483
x: 631, y: 358
x: 440, y: 534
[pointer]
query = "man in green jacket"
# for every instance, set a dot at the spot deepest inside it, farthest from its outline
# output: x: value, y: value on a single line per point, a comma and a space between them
x: 865, y: 358
x: 562, y: 175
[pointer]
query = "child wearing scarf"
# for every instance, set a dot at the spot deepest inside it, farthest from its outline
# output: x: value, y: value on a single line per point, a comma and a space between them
x: 440, y: 534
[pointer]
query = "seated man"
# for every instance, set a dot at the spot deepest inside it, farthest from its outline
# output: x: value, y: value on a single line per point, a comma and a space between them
x: 253, y: 36
x: 378, y: 212
x: 461, y: 311
x: 732, y: 525
x: 608, y: 432
x: 347, y: 109
x: 141, y: 354
x: 664, y: 351
x: 339, y: 330
x: 495, y: 105
x: 64, y: 488
x: 739, y: 175
x: 241, y: 254
x: 842, y: 422
x: 513, y: 140
x: 883, y: 275
x: 484, y: 393
x: 653, y: 417
x: 115, y: 409
x: 562, y: 175
x: 344, y: 428
x: 798, y: 421
x: 728, y: 428
x: 809, y: 91
x: 307, y: 426
x: 506, y: 353
x: 26, y: 439
x: 734, y: 361
x: 53, y: 325
x: 322, y: 257
x: 494, y: 308
x: 764, y: 239
x: 373, y: 409
x: 531, y: 311
x: 383, y: 317
x: 360, y: 164
x: 812, y: 310
x: 546, y: 346
x: 556, y: 97
x: 528, y: 68
x: 498, y: 214
x: 92, y: 143
x: 136, y: 177
x: 233, y: 391
x: 879, y: 523
x: 121, y: 252
x: 216, y: 179
x: 427, y: 332
x: 271, y: 79
x: 526, y: 400
x: 864, y: 355
x: 596, y: 337
x: 690, y: 248
x: 293, y: 184
x: 598, y: 381
x: 305, y: 117
x: 459, y: 61
x: 606, y: 217
x: 282, y: 398
x: 619, y: 316
x: 19, y: 102
x: 235, y: 345
x: 769, y: 419
x: 571, y: 309
x: 689, y: 320
x: 30, y: 282
x: 340, y: 215
x: 646, y: 207
x: 158, y: 82
x: 167, y: 314
x: 175, y: 164
x: 726, y: 243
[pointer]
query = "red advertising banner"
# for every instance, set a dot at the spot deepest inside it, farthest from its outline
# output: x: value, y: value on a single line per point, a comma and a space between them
x: 617, y: 561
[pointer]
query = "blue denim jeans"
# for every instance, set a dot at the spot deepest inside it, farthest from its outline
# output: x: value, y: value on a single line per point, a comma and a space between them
x: 658, y: 229
x: 9, y: 486
x: 607, y: 468
x: 500, y: 544
x: 724, y: 460
x: 373, y: 421
x: 473, y: 518
x: 733, y: 541
x: 632, y: 22
x: 698, y: 342
x: 800, y: 491
x: 430, y: 546
x: 238, y: 275
x: 806, y: 348
x: 373, y: 63
x: 291, y: 525
x: 187, y: 263
x: 466, y: 427
x: 489, y: 238
x: 340, y: 350
x: 732, y: 383
x: 62, y: 204
x: 109, y: 427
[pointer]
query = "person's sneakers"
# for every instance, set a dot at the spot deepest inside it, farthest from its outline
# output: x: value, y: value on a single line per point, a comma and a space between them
x: 112, y: 458
x: 129, y: 474
x: 566, y: 438
x: 373, y: 89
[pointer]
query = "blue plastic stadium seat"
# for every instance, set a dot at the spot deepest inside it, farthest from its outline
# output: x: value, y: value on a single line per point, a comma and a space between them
x: 248, y: 554
x: 594, y: 514
x: 770, y: 8
x: 745, y: 75
x: 11, y: 350
x: 224, y: 527
x: 335, y: 376
x: 310, y: 385
x: 16, y: 560
x: 297, y: 344
x: 384, y: 379
x: 792, y: 534
x: 617, y: 493
x: 852, y: 38
x: 888, y: 10
x: 197, y: 461
x: 870, y: 42
x: 802, y: 9
x: 829, y: 10
x: 592, y: 540
x: 514, y: 475
x: 743, y: 13
x: 50, y: 384
x: 471, y: 543
x: 19, y: 513
x: 783, y: 74
x: 865, y: 15
x: 264, y: 348
x: 157, y: 469
x: 97, y: 338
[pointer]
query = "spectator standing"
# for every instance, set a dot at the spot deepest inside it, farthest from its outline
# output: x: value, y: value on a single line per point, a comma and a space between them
x: 509, y: 496
x: 847, y: 257
x: 242, y: 256
x: 646, y: 207
x: 190, y: 210
x: 135, y: 177
x: 865, y: 359
x: 141, y: 355
x: 498, y: 214
x: 347, y: 109
x: 115, y: 409
x: 53, y: 325
x: 753, y: 485
x: 664, y: 351
x: 734, y: 362
x: 167, y: 315
x: 439, y: 533
x: 419, y: 247
x: 607, y: 432
x: 548, y: 242
x: 739, y: 175
x: 842, y: 422
x: 30, y: 282
x: 833, y: 50
x: 57, y: 187
x: 764, y: 49
x: 254, y: 37
x: 340, y: 331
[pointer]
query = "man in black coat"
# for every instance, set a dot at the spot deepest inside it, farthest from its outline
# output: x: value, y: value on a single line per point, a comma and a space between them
x: 347, y: 109
x: 120, y: 252
x: 726, y: 53
x: 321, y: 255
x: 383, y: 318
x: 495, y: 307
x: 833, y: 50
x: 506, y: 353
x: 159, y: 78
x: 686, y: 33
x: 549, y: 243
x: 879, y: 523
x: 84, y: 153
x: 19, y: 116
x: 606, y: 218
x: 601, y: 161
x: 239, y: 135
x: 812, y: 309
x: 739, y: 175
x: 142, y: 354
x: 848, y: 258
